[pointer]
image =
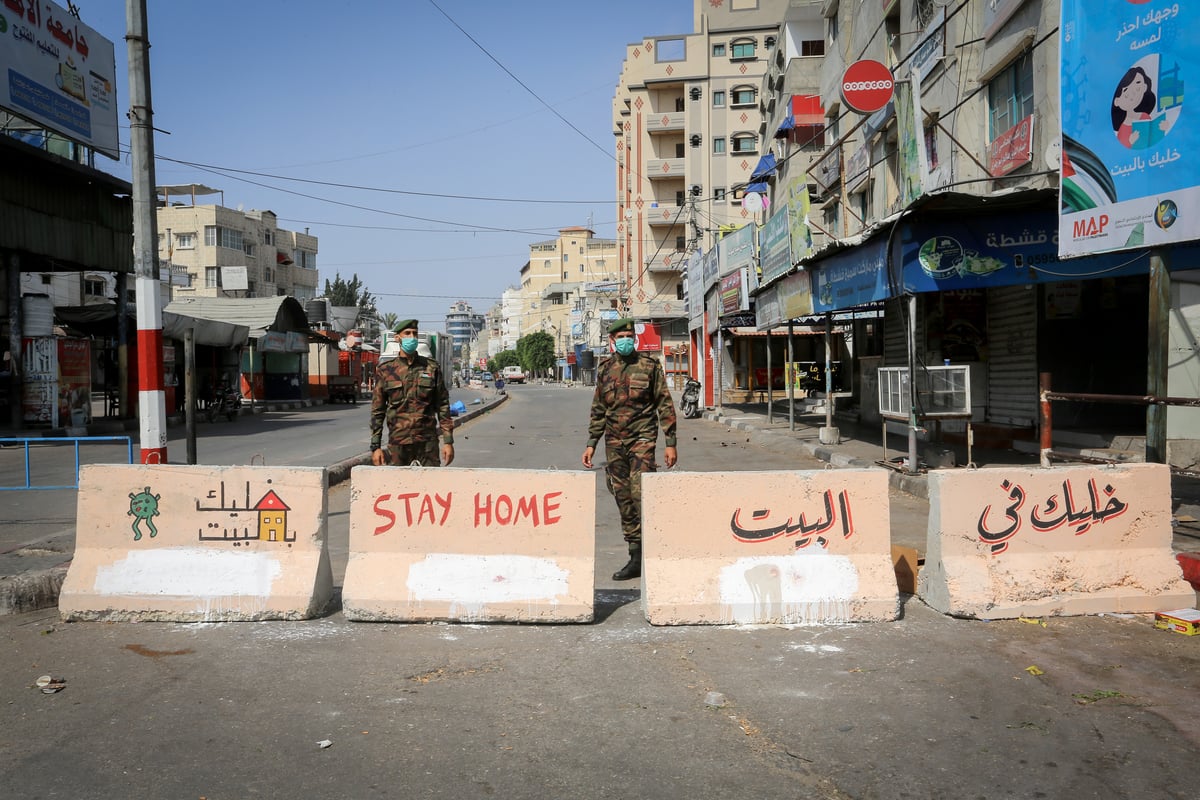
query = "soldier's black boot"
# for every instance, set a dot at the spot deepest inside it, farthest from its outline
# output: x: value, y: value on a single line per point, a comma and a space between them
x: 631, y: 570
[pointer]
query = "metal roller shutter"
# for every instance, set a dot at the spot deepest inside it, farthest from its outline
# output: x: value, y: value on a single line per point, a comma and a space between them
x: 1012, y: 355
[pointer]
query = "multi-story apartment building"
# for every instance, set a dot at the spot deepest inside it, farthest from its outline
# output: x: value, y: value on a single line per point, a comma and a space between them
x: 232, y: 253
x: 688, y: 122
x: 564, y: 290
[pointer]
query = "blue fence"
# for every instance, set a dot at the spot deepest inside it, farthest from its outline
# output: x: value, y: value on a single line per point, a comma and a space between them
x: 50, y: 444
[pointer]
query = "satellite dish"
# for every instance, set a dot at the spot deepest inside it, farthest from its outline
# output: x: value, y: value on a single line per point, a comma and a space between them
x: 752, y: 201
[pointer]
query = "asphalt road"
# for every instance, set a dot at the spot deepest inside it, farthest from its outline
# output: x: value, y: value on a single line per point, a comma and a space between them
x: 924, y: 707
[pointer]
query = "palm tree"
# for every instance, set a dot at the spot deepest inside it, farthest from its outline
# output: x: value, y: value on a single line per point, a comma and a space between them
x: 389, y: 319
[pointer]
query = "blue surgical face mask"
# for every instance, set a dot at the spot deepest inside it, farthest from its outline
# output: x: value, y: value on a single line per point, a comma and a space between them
x: 409, y: 344
x: 625, y: 346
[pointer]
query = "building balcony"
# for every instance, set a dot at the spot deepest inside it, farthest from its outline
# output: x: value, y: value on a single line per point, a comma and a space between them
x: 666, y: 309
x: 663, y: 168
x: 664, y: 123
x: 665, y: 215
x: 668, y: 262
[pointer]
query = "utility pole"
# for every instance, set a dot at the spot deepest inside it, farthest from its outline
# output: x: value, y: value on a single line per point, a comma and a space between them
x: 152, y: 409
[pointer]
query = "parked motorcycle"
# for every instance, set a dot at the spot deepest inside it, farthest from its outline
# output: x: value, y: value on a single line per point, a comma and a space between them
x: 227, y: 402
x: 689, y: 403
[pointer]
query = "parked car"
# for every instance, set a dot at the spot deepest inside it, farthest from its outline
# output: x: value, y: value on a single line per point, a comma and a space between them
x: 487, y: 377
x: 513, y: 374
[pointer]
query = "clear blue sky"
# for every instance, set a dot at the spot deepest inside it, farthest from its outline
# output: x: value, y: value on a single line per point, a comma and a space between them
x: 393, y: 96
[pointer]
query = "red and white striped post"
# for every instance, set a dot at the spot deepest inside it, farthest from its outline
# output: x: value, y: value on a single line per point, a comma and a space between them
x: 152, y: 405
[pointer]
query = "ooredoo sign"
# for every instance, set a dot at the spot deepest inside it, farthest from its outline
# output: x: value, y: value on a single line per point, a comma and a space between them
x: 867, y: 86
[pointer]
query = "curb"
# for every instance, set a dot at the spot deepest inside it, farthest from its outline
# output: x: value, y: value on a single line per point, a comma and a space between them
x: 916, y: 485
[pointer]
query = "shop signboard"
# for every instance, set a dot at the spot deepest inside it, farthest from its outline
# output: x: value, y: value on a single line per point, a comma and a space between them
x: 736, y: 250
x: 867, y: 86
x: 1011, y: 149
x: 58, y: 72
x: 1006, y: 250
x: 852, y: 277
x: 795, y: 295
x: 733, y: 293
x: 774, y: 246
x: 767, y: 314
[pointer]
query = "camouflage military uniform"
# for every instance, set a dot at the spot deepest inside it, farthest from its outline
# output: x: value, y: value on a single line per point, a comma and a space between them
x: 631, y: 401
x: 413, y: 399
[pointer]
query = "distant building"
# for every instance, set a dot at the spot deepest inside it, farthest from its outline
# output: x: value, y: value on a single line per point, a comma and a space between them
x: 556, y: 287
x: 462, y: 324
x: 232, y: 253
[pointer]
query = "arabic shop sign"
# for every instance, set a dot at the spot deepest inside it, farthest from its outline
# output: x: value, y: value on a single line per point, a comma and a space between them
x: 774, y: 246
x: 708, y: 268
x: 1009, y: 250
x: 58, y: 73
x: 733, y: 293
x: 852, y: 277
x: 1011, y: 149
x: 736, y: 250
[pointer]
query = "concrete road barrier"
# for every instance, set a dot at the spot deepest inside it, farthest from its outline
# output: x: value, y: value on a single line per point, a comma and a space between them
x: 192, y: 543
x: 1008, y: 542
x: 470, y: 545
x: 767, y: 547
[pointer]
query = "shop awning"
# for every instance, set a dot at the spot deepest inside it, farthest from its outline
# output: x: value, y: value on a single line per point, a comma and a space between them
x: 100, y: 320
x: 764, y: 169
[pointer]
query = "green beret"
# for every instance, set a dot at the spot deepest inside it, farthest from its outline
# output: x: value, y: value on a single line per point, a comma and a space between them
x: 405, y: 323
x: 624, y: 324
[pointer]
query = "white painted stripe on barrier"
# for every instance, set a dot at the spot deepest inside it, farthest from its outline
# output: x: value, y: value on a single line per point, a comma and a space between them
x: 470, y: 545
x: 767, y: 547
x: 1006, y: 542
x: 192, y: 543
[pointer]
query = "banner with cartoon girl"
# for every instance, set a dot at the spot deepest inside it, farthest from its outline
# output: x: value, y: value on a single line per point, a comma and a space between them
x: 1130, y: 170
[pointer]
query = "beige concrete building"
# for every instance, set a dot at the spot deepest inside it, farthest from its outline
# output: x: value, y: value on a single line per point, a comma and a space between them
x: 563, y: 289
x: 232, y: 253
x: 688, y: 119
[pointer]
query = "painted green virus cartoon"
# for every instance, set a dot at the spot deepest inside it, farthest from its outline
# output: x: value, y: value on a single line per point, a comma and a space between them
x: 143, y: 506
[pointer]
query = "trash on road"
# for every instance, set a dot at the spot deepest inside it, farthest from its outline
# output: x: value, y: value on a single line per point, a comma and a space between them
x: 324, y: 744
x: 1032, y: 621
x: 1033, y: 669
x: 1183, y: 620
x: 50, y: 684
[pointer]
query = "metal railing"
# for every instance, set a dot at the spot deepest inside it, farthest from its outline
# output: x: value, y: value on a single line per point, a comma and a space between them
x: 55, y: 443
x: 1046, y: 433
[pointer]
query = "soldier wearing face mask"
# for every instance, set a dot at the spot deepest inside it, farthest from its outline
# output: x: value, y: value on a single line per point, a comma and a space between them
x: 411, y: 397
x: 630, y: 403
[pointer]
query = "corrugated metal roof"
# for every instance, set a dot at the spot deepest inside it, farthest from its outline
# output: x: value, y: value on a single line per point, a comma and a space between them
x: 258, y: 314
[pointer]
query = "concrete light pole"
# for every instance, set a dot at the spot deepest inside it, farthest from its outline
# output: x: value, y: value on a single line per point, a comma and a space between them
x: 152, y: 408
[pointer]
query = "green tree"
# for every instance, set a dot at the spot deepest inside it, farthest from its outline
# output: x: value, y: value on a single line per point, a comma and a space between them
x: 389, y: 319
x: 505, y: 358
x: 341, y: 292
x: 535, y: 351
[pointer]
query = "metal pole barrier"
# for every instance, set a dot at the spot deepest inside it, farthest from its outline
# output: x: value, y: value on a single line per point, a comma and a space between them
x: 1046, y: 434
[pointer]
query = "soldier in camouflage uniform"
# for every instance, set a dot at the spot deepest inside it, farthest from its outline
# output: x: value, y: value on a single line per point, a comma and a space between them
x: 631, y: 401
x: 411, y: 396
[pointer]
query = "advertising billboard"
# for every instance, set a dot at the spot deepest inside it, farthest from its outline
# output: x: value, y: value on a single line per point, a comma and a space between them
x: 57, y: 72
x: 1129, y: 174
